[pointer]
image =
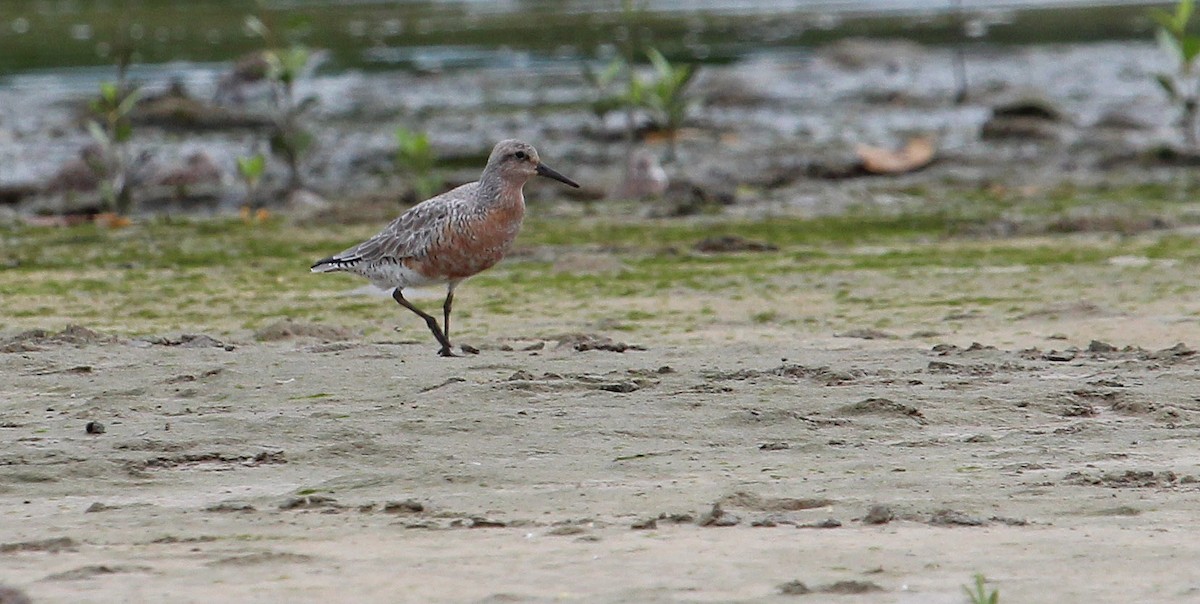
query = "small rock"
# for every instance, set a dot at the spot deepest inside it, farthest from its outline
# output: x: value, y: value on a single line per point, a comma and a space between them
x: 97, y: 507
x: 1098, y: 346
x: 648, y: 524
x: 94, y: 428
x: 1010, y: 521
x: 1030, y: 107
x: 828, y: 523
x: 94, y: 570
x: 949, y: 517
x: 1178, y: 350
x: 851, y: 587
x: 583, y: 342
x: 718, y: 517
x: 481, y: 522
x: 678, y: 518
x: 794, y: 588
x: 309, y: 502
x: 52, y: 545
x: 879, y: 514
x: 622, y: 387
x: 408, y: 506
x: 1063, y: 356
x: 229, y: 506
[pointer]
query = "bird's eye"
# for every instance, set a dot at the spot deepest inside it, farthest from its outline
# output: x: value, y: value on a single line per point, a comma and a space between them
x: 520, y: 155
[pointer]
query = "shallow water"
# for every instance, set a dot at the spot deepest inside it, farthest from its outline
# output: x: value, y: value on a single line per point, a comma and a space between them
x: 41, y: 35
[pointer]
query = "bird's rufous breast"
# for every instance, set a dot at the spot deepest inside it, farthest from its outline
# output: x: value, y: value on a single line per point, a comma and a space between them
x: 472, y: 243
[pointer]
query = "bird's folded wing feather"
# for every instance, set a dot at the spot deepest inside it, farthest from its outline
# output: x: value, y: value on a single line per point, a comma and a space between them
x: 410, y: 235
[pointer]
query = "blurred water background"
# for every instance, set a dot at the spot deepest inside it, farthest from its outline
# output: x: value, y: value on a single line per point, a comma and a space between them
x: 472, y: 71
x: 68, y: 36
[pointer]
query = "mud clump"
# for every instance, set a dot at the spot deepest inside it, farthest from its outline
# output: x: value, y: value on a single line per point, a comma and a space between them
x: 288, y: 329
x: 794, y: 588
x: 824, y: 375
x: 752, y: 501
x: 94, y: 570
x: 879, y: 514
x: 308, y: 502
x: 884, y: 407
x: 408, y: 506
x: 950, y: 517
x: 53, y: 546
x: 717, y: 517
x: 210, y: 460
x: 851, y: 587
x: 35, y: 339
x: 582, y: 342
x: 192, y: 340
x: 261, y: 558
x: 1033, y: 119
x: 798, y: 588
x: 1130, y: 479
x: 732, y: 243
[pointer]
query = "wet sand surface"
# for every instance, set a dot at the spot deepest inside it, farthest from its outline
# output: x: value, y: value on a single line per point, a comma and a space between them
x: 880, y: 436
x: 690, y: 471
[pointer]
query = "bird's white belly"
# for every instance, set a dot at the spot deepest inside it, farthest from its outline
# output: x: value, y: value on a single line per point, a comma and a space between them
x: 390, y: 275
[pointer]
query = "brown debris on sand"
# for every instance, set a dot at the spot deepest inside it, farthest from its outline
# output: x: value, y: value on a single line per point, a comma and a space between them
x: 35, y: 339
x: 582, y: 342
x: 288, y: 329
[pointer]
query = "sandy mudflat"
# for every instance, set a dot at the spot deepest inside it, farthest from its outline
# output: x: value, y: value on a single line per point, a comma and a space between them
x: 368, y: 471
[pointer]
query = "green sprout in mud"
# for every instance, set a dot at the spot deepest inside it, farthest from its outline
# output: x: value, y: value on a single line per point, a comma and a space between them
x: 250, y: 169
x: 980, y: 594
x: 112, y: 132
x: 289, y: 139
x: 664, y: 96
x: 415, y: 157
x: 1182, y: 87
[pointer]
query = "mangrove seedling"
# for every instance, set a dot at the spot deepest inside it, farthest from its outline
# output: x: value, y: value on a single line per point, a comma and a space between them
x: 1182, y: 87
x: 112, y: 131
x: 666, y: 96
x: 415, y: 158
x: 250, y: 169
x: 980, y: 594
x: 289, y: 139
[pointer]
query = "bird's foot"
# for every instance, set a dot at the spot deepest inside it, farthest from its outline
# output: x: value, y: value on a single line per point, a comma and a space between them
x: 467, y: 348
x: 446, y: 352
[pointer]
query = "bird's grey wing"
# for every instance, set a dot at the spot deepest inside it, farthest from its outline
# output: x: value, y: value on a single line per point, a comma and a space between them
x: 408, y: 236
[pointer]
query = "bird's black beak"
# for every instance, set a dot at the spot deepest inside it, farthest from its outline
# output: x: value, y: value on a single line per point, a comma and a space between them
x: 548, y: 172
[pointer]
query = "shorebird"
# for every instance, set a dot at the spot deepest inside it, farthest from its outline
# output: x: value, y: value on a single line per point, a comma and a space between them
x: 448, y: 238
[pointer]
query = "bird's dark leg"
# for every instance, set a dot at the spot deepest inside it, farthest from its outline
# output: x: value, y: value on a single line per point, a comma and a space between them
x: 430, y: 321
x: 446, y: 314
